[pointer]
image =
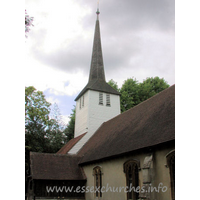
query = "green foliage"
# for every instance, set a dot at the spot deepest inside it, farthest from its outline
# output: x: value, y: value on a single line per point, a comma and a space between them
x: 133, y: 92
x: 69, y: 131
x: 151, y: 86
x: 55, y: 114
x: 113, y: 84
x: 42, y: 134
x: 129, y: 94
x: 37, y: 109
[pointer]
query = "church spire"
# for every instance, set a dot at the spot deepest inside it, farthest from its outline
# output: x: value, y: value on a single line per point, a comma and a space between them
x: 97, y: 67
x: 97, y: 81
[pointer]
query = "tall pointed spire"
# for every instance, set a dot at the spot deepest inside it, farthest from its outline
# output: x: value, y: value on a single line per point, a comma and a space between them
x: 97, y: 81
x: 98, y: 102
x: 97, y: 67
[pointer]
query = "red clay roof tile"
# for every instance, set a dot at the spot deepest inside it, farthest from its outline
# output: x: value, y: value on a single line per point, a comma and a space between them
x: 65, y: 149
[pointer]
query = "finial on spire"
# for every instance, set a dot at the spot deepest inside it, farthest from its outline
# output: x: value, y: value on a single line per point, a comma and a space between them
x: 98, y: 10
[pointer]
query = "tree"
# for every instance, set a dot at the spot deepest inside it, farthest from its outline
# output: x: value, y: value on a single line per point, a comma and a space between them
x: 56, y: 115
x: 129, y: 94
x: 113, y: 84
x: 37, y: 109
x: 42, y: 134
x: 151, y: 86
x: 133, y: 92
x: 69, y: 131
x: 28, y: 23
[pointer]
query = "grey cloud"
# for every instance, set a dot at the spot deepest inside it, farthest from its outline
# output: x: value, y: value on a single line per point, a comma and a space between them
x: 69, y: 58
x: 136, y: 14
x: 123, y: 49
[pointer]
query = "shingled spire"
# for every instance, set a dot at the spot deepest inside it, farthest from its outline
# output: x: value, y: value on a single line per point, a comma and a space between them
x: 97, y: 81
x: 98, y: 102
x: 97, y: 67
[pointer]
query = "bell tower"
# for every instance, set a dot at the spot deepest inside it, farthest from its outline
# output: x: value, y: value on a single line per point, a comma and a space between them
x: 98, y: 102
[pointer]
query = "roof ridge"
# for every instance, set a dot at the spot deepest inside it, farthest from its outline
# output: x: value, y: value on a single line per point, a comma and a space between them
x: 54, y: 154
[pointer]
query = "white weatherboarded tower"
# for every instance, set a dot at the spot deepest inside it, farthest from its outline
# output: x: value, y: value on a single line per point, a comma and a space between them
x: 98, y: 102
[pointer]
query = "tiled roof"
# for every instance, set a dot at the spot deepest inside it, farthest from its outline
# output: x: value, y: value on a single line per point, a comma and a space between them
x: 55, y: 167
x: 70, y: 144
x: 150, y: 123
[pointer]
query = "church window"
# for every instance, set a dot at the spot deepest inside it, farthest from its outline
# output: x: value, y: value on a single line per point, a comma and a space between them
x: 100, y: 98
x: 97, y: 172
x: 171, y: 164
x: 107, y: 99
x: 132, y: 179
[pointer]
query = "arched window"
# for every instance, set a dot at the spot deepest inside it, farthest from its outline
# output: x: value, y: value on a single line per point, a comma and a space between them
x: 171, y: 164
x: 131, y: 168
x: 97, y: 172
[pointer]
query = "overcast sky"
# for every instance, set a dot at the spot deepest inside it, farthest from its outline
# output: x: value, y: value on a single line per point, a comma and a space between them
x: 138, y: 40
